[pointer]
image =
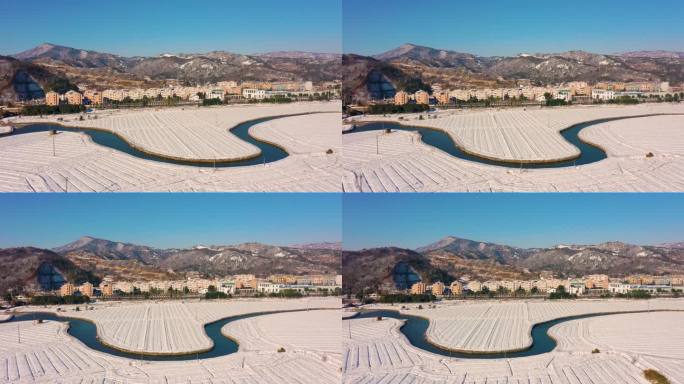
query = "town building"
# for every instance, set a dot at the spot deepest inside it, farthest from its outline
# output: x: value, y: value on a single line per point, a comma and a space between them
x: 253, y: 93
x: 422, y: 97
x: 86, y: 289
x: 401, y: 98
x: 107, y: 289
x: 52, y: 98
x: 442, y: 97
x: 74, y: 98
x: 456, y: 288
x: 67, y: 289
x: 418, y: 288
x: 437, y: 288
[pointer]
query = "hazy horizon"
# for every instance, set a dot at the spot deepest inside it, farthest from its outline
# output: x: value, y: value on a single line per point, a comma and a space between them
x: 177, y: 220
x: 502, y: 28
x: 156, y: 27
x: 524, y: 220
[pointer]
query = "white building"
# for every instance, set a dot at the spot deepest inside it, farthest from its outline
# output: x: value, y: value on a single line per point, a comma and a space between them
x: 602, y: 94
x: 216, y: 93
x: 253, y: 93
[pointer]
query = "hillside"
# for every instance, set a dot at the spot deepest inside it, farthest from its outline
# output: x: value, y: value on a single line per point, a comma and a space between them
x: 38, y: 269
x: 50, y: 63
x: 455, y: 69
x: 91, y: 259
x: 454, y: 258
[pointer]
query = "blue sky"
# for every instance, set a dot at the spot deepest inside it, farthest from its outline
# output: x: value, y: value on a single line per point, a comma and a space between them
x: 520, y: 219
x: 151, y: 27
x: 169, y: 220
x: 507, y: 27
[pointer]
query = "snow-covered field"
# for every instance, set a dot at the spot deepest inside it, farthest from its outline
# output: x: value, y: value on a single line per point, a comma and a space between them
x: 47, y: 354
x: 187, y: 133
x: 506, y: 326
x: 175, y: 327
x: 400, y: 161
x: 377, y: 352
x: 27, y: 162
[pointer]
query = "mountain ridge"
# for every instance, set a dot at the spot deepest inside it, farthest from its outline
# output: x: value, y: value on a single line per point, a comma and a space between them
x: 451, y: 258
x: 416, y: 64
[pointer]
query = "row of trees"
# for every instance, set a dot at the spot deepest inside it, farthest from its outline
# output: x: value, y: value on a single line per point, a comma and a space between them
x: 35, y: 110
x: 379, y: 109
x: 59, y: 300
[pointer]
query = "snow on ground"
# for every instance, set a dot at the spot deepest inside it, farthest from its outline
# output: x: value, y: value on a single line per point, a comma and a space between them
x: 175, y: 327
x: 521, y: 134
x: 288, y: 330
x: 188, y: 133
x: 506, y: 326
x: 376, y: 352
x: 47, y: 354
x: 27, y: 163
x: 400, y: 161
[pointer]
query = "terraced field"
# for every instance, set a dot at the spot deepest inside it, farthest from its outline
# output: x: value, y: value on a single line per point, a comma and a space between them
x: 377, y: 352
x: 399, y: 161
x: 47, y: 354
x: 189, y: 133
x: 506, y: 326
x: 28, y: 163
x: 176, y: 327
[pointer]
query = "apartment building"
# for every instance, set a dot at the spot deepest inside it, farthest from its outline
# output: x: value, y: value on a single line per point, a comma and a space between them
x: 67, y: 289
x: 422, y: 97
x: 418, y: 288
x: 52, y: 98
x: 401, y: 98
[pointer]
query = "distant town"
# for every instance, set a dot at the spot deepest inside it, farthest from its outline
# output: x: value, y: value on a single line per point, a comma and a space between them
x: 596, y: 285
x: 194, y: 285
x: 225, y: 91
x: 175, y: 94
x: 576, y: 92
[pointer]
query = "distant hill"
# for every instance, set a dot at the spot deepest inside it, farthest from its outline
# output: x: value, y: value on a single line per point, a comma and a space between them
x: 38, y: 269
x: 654, y: 54
x: 51, y: 63
x: 464, y: 70
x: 454, y: 258
x: 326, y: 245
x: 20, y: 80
x: 110, y: 250
x: 214, y: 260
x: 47, y: 53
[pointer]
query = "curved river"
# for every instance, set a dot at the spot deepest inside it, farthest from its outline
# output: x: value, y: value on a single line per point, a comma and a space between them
x: 589, y: 153
x: 414, y: 329
x: 269, y: 152
x: 86, y: 332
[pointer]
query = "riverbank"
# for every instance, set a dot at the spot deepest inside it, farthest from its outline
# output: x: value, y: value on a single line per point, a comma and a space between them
x: 644, y: 154
x: 172, y: 328
x: 519, y: 136
x: 603, y: 349
x: 28, y: 163
x: 498, y: 327
x: 45, y: 352
x: 184, y: 134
